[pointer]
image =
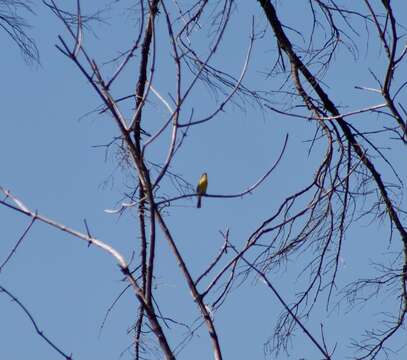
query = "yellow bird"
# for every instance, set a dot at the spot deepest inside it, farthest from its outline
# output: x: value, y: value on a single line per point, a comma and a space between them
x: 201, y: 188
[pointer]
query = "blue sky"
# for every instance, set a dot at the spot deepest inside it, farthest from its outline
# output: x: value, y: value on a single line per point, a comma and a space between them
x: 49, y: 160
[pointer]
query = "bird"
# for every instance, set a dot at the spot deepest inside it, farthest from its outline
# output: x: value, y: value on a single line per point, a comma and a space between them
x: 201, y: 188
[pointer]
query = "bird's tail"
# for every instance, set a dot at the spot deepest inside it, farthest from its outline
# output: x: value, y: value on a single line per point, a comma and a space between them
x: 198, y: 205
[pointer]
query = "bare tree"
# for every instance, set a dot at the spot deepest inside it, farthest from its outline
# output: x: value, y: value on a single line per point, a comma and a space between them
x: 359, y: 174
x: 15, y: 26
